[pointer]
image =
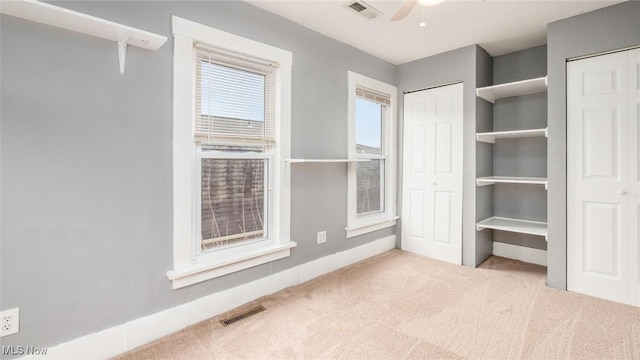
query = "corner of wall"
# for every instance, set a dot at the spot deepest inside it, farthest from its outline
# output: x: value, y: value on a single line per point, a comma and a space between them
x: 484, y: 158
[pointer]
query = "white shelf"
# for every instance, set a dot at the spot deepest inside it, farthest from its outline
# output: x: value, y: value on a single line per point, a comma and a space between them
x: 490, y: 180
x: 514, y: 225
x: 517, y: 88
x: 294, y: 161
x: 48, y: 14
x: 490, y: 137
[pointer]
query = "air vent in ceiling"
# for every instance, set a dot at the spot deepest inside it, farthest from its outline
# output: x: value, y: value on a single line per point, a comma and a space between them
x: 363, y: 9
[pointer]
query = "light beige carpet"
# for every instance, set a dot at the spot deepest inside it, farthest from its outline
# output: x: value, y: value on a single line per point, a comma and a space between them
x: 403, y: 306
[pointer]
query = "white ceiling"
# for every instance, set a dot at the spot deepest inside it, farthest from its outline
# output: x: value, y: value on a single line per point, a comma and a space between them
x: 499, y: 26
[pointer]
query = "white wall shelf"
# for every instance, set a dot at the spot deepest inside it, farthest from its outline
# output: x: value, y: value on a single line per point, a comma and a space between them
x: 491, y: 137
x: 295, y: 161
x: 490, y: 180
x: 514, y: 225
x: 48, y: 14
x: 517, y: 88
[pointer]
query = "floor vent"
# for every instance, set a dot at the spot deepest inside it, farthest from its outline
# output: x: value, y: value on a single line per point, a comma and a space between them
x: 246, y: 314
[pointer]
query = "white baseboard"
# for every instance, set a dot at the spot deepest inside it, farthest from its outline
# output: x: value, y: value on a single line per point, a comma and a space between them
x: 125, y: 337
x: 526, y: 254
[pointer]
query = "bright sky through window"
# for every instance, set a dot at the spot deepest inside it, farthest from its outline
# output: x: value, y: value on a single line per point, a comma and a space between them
x: 232, y: 93
x: 369, y: 124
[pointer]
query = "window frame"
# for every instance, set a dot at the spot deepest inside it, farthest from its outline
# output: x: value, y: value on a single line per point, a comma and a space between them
x: 359, y: 225
x: 190, y: 266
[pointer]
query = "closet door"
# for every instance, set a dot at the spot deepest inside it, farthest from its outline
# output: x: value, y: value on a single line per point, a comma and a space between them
x: 602, y: 178
x: 432, y: 173
x: 634, y: 168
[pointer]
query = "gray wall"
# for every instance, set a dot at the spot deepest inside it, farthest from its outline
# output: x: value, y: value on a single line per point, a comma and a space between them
x: 86, y: 186
x: 484, y: 157
x: 520, y: 65
x: 453, y: 66
x: 520, y: 157
x: 611, y: 28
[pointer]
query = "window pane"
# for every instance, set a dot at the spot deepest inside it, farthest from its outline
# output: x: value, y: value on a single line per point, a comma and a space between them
x: 370, y: 186
x: 233, y: 201
x: 368, y: 127
x: 235, y: 99
x: 231, y: 93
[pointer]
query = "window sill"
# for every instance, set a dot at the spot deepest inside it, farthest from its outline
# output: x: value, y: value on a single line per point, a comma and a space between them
x: 230, y: 260
x: 378, y: 223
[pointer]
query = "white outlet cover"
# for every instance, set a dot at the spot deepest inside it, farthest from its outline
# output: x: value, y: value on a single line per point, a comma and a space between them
x: 322, y: 237
x: 9, y: 320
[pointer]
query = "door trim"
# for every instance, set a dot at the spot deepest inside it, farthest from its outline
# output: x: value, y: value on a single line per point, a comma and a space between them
x: 431, y: 87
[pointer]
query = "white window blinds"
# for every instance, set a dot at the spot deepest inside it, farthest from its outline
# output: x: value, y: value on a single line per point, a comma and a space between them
x: 372, y: 95
x: 235, y: 98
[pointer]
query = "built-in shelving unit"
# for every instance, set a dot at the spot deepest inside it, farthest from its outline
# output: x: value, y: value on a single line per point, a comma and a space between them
x: 514, y: 225
x: 490, y: 180
x: 294, y: 161
x: 516, y: 88
x: 491, y: 137
x: 491, y: 94
x: 49, y: 14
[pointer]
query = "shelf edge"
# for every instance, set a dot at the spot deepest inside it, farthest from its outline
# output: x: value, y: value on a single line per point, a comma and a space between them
x: 480, y: 226
x: 485, y: 181
x: 488, y: 92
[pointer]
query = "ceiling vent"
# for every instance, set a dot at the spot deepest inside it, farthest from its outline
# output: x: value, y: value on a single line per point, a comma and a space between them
x: 363, y: 9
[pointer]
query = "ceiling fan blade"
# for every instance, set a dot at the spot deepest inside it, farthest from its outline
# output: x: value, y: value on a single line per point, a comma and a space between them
x: 404, y: 10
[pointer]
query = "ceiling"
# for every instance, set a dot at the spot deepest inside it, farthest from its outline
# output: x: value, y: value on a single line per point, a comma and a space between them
x: 499, y: 26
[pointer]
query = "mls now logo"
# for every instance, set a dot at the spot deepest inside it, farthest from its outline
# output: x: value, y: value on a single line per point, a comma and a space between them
x: 23, y: 350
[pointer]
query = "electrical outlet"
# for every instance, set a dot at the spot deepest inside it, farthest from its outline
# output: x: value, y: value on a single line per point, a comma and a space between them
x: 9, y: 322
x: 322, y: 237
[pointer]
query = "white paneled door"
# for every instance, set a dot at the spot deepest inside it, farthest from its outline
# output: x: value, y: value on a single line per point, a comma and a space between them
x: 432, y: 173
x: 603, y: 176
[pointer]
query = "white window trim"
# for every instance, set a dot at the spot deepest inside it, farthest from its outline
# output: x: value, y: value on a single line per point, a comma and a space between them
x: 359, y: 226
x: 187, y: 267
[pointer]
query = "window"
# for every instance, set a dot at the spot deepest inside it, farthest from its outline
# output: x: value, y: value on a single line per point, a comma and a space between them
x: 231, y: 137
x: 372, y: 142
x: 234, y: 141
x: 369, y: 174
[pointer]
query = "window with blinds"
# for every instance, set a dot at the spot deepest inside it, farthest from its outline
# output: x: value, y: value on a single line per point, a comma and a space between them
x: 234, y: 133
x: 231, y: 125
x: 235, y: 98
x: 371, y: 109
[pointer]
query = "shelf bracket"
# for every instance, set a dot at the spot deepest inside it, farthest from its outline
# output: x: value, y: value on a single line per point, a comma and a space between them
x: 48, y: 14
x: 122, y: 52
